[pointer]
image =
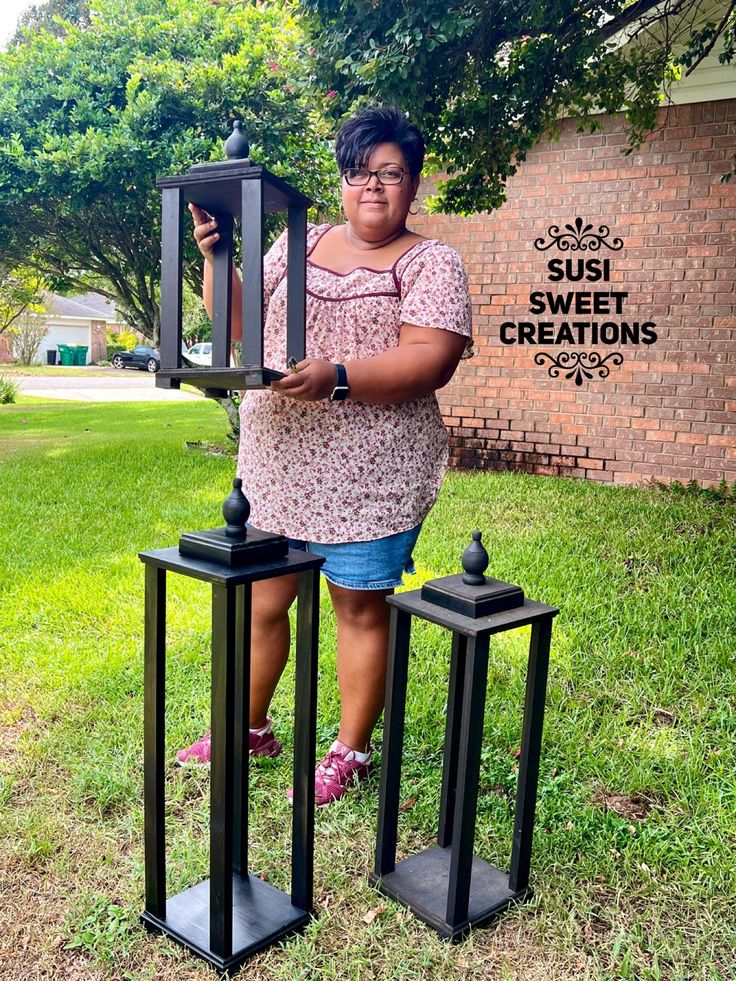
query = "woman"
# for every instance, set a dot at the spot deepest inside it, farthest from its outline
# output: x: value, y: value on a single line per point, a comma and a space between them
x: 346, y: 455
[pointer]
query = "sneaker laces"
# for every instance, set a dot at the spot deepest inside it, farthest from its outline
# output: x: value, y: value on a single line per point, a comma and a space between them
x: 331, y: 768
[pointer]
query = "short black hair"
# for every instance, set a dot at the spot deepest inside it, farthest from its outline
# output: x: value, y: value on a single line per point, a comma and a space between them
x: 378, y: 124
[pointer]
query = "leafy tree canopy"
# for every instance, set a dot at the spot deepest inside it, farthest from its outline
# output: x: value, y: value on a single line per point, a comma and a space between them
x: 20, y: 293
x: 92, y: 114
x: 53, y: 16
x: 486, y: 79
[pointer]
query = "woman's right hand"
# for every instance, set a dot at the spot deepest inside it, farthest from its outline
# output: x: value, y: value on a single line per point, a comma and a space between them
x: 205, y: 233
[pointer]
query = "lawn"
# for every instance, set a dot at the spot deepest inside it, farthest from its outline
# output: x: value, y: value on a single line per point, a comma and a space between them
x: 44, y: 370
x: 635, y: 843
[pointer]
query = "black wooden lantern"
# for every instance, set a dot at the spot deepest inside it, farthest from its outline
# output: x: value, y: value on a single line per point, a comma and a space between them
x: 231, y: 190
x: 447, y: 886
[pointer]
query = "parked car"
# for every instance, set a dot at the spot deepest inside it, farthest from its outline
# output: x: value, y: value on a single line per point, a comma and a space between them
x: 144, y: 358
x: 199, y: 354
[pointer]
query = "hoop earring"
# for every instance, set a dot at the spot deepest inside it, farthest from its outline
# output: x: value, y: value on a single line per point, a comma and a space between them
x: 414, y: 212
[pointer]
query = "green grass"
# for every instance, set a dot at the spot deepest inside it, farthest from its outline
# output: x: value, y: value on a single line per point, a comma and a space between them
x: 84, y: 371
x: 635, y: 842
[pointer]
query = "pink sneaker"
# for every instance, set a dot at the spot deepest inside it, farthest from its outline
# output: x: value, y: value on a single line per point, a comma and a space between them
x: 200, y: 753
x: 337, y: 772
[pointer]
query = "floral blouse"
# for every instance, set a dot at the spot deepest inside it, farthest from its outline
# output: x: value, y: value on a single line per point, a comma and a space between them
x: 350, y: 471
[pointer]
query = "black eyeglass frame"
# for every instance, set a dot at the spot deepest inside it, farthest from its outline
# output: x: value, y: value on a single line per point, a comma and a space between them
x: 371, y: 173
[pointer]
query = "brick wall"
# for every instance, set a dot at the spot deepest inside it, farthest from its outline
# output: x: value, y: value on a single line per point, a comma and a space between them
x: 98, y: 347
x: 6, y: 348
x: 669, y: 410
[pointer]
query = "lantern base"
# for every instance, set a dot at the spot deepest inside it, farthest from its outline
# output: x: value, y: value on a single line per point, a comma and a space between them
x: 451, y: 593
x: 420, y: 882
x: 219, y: 382
x: 215, y: 546
x: 262, y: 915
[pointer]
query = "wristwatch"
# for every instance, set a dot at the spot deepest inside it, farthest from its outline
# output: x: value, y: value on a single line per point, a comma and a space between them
x: 341, y: 389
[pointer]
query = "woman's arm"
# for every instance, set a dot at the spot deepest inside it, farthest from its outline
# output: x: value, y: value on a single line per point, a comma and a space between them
x: 425, y: 360
x: 206, y: 237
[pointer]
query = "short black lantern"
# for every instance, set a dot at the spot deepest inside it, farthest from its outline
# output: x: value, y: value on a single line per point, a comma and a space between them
x: 230, y: 190
x: 233, y: 914
x: 447, y: 886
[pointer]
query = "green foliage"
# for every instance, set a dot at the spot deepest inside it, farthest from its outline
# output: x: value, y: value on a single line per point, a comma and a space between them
x: 9, y: 390
x: 486, y: 81
x: 90, y: 117
x: 126, y: 340
x: 196, y: 325
x: 52, y: 16
x: 20, y: 293
x: 721, y: 493
x: 97, y: 926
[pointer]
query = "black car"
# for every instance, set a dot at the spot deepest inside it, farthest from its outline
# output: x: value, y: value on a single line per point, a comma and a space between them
x: 145, y: 358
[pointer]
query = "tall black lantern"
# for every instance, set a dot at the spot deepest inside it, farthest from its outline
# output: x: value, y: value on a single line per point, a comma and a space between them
x: 231, y: 190
x: 233, y: 914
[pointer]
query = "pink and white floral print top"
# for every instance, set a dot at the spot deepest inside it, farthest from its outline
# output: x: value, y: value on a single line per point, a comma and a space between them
x: 348, y: 471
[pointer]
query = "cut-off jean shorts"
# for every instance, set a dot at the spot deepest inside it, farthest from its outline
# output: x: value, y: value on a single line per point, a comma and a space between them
x: 377, y: 564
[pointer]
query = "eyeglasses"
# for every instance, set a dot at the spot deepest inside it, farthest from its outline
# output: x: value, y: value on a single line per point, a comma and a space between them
x: 357, y: 176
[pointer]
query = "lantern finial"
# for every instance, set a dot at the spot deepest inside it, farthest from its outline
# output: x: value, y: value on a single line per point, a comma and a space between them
x: 236, y: 145
x: 475, y: 562
x: 236, y: 511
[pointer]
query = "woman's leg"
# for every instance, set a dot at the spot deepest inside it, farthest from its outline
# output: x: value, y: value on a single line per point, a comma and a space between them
x: 362, y: 652
x: 270, y: 638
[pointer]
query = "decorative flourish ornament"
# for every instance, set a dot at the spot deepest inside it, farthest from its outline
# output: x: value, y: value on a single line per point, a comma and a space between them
x: 579, y: 364
x: 578, y: 238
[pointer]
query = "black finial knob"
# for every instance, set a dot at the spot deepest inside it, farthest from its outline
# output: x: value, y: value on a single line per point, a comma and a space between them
x: 236, y: 511
x: 475, y: 562
x: 236, y: 145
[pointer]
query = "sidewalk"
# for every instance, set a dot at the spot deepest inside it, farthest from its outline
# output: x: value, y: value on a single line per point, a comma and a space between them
x: 125, y: 386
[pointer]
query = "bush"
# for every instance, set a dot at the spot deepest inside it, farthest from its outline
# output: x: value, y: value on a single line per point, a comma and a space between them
x: 9, y: 390
x: 124, y: 341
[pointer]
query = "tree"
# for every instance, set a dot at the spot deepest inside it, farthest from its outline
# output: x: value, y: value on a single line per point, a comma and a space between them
x: 28, y: 331
x: 52, y: 16
x: 486, y: 79
x: 20, y: 293
x: 91, y: 115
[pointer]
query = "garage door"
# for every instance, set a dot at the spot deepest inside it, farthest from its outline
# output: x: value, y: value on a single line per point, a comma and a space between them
x: 63, y: 335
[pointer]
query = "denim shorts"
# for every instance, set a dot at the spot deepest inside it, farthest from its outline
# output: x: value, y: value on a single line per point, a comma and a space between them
x: 378, y: 564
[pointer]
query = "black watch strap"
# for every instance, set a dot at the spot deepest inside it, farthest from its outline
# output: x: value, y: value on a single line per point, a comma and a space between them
x: 341, y: 389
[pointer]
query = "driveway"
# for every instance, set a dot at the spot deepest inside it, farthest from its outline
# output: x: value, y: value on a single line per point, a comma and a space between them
x: 115, y: 386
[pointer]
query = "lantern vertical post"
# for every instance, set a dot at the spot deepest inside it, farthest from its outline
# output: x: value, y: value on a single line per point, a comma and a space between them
x: 171, y: 282
x: 154, y: 703
x: 393, y: 740
x: 531, y: 745
x: 252, y: 246
x: 243, y: 609
x: 305, y: 728
x: 222, y: 259
x: 296, y: 286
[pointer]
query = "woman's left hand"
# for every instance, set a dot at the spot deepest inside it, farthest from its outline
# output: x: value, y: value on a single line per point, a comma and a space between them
x: 313, y: 380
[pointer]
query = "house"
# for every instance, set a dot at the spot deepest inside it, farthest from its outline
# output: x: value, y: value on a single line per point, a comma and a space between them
x: 664, y: 409
x: 83, y: 319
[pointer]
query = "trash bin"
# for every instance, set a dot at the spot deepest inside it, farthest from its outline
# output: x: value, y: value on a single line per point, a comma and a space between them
x: 66, y: 355
x: 80, y: 354
x: 51, y: 356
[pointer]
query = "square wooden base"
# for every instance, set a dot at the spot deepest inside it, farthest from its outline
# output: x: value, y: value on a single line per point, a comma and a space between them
x: 420, y: 882
x: 262, y: 914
